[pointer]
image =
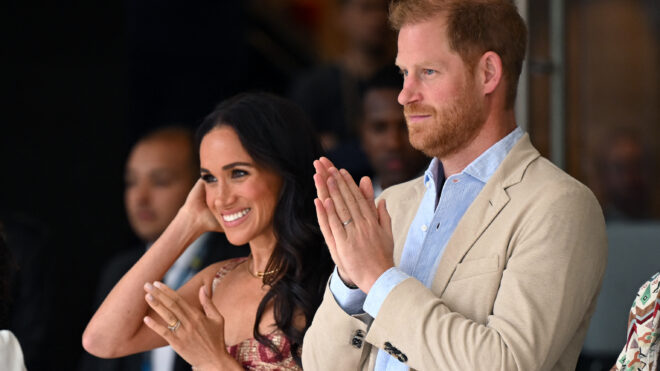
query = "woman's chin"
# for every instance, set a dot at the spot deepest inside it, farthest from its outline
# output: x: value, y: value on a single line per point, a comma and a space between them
x: 236, y: 239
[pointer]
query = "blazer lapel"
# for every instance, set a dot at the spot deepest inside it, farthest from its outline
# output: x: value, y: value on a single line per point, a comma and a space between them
x: 485, y: 208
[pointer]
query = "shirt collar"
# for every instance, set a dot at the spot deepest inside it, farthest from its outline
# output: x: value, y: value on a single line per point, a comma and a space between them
x: 482, y: 168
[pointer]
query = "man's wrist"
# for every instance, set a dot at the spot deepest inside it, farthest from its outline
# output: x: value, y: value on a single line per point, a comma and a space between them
x: 348, y: 284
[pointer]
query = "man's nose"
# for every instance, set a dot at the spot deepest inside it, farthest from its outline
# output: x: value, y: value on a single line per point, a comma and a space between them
x: 409, y: 93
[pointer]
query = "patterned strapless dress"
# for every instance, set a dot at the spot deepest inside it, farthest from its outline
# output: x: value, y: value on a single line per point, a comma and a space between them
x: 250, y: 353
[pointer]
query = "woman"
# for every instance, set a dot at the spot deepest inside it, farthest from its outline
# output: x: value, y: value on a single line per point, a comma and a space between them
x: 256, y: 156
x: 642, y: 350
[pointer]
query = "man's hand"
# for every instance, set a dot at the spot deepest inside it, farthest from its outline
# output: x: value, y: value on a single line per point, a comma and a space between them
x: 358, y: 235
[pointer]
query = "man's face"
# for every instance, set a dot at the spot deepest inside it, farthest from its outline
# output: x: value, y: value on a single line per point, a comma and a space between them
x: 443, y: 111
x: 385, y: 138
x: 159, y: 175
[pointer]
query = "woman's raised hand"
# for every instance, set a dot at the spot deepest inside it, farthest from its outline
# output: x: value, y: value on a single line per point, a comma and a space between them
x: 198, y: 337
x: 196, y: 209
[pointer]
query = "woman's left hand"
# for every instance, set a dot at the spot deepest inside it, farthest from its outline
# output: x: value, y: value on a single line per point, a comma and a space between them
x: 196, y: 336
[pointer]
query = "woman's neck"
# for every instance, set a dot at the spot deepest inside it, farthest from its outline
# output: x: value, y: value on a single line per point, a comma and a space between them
x: 261, y: 249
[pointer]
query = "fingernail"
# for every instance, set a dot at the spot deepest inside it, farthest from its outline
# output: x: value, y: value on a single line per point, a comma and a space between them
x: 158, y: 284
x: 150, y: 297
x: 147, y: 319
x: 148, y: 286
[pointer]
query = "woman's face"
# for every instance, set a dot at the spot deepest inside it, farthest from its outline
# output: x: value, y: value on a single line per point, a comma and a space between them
x: 241, y: 194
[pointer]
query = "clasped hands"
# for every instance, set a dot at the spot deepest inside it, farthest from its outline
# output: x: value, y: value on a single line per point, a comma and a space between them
x: 198, y: 337
x: 358, y: 233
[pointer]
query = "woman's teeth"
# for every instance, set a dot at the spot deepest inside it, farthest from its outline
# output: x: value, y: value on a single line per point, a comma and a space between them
x: 235, y: 216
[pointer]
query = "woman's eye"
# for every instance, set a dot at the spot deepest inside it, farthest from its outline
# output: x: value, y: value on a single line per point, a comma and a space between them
x: 208, y: 178
x: 237, y: 173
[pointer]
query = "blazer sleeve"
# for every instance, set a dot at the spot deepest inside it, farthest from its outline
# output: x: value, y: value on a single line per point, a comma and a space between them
x: 552, y: 274
x: 335, y: 339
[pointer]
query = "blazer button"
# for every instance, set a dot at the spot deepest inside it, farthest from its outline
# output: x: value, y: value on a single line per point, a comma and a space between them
x: 356, y: 341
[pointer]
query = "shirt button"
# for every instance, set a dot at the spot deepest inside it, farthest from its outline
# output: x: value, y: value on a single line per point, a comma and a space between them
x: 424, y: 228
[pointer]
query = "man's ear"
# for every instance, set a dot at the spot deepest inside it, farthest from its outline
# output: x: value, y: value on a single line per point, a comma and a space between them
x: 490, y: 71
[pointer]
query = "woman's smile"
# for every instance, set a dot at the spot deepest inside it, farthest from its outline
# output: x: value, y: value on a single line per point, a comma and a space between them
x: 233, y: 219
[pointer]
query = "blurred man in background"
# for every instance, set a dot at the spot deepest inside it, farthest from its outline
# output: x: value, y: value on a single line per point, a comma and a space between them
x: 384, y: 134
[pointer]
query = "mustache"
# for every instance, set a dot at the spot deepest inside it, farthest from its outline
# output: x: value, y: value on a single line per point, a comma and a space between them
x: 414, y: 109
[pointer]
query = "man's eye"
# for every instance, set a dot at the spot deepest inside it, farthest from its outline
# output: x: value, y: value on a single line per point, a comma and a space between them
x: 378, y: 127
x: 428, y: 72
x: 403, y: 73
x: 208, y: 178
x: 162, y: 182
x: 237, y: 173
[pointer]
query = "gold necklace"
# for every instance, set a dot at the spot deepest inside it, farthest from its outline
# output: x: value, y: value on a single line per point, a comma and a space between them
x: 258, y: 274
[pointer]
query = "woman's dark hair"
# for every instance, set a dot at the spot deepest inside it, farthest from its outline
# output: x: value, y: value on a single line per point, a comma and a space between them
x: 278, y: 136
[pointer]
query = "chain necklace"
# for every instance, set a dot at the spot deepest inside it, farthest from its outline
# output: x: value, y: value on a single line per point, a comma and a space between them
x: 258, y: 274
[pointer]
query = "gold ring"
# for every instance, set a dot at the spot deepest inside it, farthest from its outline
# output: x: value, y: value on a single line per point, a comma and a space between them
x: 174, y: 326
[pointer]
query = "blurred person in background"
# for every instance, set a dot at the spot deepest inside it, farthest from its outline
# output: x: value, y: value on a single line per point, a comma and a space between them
x: 11, y: 355
x: 384, y: 134
x: 31, y: 286
x: 625, y: 177
x: 331, y: 94
x: 160, y: 171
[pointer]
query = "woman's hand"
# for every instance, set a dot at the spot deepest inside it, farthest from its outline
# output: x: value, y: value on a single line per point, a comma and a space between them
x: 196, y: 209
x: 197, y: 337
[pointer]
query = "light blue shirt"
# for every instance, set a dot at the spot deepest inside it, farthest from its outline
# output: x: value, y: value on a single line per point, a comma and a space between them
x: 428, y: 234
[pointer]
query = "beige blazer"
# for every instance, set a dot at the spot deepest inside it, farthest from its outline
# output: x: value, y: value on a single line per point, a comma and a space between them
x: 514, y: 290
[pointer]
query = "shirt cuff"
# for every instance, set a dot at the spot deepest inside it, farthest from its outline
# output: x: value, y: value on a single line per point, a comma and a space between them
x: 350, y: 300
x: 381, y: 288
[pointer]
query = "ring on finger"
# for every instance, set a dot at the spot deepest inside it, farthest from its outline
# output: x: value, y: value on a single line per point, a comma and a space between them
x: 174, y: 326
x: 347, y: 222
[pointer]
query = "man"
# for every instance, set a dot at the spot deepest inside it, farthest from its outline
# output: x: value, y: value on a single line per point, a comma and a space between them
x: 330, y: 94
x: 492, y: 260
x: 160, y: 171
x: 384, y: 135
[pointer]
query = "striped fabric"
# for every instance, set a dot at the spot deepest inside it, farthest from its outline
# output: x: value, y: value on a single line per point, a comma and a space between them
x: 641, y: 350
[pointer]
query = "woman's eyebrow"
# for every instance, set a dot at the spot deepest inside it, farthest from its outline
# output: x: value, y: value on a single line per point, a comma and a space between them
x: 234, y: 164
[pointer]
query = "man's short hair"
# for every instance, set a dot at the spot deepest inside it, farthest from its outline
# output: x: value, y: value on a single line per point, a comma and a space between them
x: 175, y: 131
x: 473, y: 28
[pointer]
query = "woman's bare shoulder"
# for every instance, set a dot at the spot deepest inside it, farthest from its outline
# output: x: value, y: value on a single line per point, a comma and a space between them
x: 209, y: 273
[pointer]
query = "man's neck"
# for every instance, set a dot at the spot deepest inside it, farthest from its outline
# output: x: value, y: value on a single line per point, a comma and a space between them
x: 493, y: 130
